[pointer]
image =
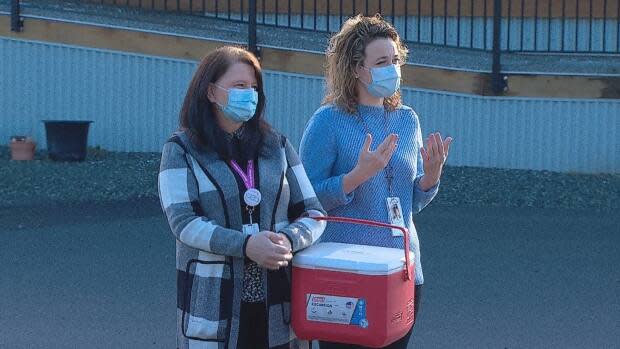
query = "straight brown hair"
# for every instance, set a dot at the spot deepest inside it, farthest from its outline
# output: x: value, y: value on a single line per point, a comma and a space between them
x: 197, y: 115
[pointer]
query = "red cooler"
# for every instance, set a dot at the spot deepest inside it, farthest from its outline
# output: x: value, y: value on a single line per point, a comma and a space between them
x: 353, y: 294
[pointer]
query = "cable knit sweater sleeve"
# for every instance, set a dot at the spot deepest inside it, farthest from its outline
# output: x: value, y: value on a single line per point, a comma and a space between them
x: 319, y: 152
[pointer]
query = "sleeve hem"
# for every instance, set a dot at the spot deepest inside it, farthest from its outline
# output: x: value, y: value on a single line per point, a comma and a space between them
x: 290, y: 239
x: 343, y: 198
x: 289, y: 236
x: 425, y: 196
x: 245, y: 246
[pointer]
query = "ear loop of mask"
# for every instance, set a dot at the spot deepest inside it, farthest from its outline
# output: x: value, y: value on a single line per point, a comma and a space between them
x: 369, y: 73
x: 216, y: 102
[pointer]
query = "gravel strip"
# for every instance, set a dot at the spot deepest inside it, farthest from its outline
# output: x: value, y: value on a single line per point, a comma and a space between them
x: 477, y: 186
x: 103, y: 176
x: 111, y: 176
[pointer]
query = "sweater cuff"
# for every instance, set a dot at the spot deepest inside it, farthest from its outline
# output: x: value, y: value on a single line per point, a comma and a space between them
x: 342, y: 197
x: 290, y: 239
x: 245, y: 245
x: 426, y: 195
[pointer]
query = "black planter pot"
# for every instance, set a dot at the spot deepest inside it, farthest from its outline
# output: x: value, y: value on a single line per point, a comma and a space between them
x: 66, y: 140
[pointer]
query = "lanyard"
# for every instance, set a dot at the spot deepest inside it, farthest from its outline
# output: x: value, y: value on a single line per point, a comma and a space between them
x: 389, y: 169
x: 246, y: 177
x: 251, y: 194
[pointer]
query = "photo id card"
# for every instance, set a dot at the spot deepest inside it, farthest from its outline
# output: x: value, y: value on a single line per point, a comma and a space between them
x: 251, y: 229
x: 395, y: 214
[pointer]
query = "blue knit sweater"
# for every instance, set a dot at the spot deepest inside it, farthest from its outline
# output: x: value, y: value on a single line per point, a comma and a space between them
x: 330, y: 149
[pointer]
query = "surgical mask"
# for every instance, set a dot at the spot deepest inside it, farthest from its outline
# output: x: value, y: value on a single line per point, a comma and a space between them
x: 241, y: 104
x: 385, y: 81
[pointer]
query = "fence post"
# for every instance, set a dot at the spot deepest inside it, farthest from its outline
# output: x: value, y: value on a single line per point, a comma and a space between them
x: 252, y: 47
x: 16, y: 22
x: 498, y: 82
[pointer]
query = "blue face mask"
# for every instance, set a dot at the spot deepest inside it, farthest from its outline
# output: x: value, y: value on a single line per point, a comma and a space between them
x: 241, y: 104
x: 385, y: 81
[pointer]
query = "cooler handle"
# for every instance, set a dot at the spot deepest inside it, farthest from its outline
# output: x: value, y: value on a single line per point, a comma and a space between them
x: 375, y: 224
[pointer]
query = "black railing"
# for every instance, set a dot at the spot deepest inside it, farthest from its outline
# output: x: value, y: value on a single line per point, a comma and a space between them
x: 567, y: 26
x: 16, y: 20
x: 498, y: 26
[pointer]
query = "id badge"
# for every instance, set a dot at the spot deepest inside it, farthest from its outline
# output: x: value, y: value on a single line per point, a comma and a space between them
x: 395, y: 214
x: 250, y: 229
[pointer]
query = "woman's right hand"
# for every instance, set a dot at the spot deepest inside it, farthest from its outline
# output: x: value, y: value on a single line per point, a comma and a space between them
x: 370, y: 162
x: 262, y: 250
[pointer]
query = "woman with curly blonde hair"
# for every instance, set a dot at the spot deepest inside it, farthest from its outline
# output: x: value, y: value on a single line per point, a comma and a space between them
x: 351, y: 175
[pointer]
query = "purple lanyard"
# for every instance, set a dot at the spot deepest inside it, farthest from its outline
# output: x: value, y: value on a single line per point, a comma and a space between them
x: 247, y: 178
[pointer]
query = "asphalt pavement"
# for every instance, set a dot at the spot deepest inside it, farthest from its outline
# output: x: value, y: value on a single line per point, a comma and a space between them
x: 102, y: 275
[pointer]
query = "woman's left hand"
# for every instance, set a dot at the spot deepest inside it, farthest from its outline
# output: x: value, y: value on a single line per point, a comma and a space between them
x: 434, y: 157
x: 281, y: 239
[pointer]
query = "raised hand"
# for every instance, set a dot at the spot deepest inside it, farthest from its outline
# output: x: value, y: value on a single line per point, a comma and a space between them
x: 434, y: 156
x: 370, y: 162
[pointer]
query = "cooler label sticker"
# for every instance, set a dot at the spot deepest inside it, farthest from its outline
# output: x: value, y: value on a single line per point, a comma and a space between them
x: 336, y: 310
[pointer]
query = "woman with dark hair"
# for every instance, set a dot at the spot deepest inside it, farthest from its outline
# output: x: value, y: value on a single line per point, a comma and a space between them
x: 239, y: 204
x: 355, y: 176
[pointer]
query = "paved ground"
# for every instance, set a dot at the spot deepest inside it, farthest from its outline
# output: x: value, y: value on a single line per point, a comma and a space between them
x: 102, y: 276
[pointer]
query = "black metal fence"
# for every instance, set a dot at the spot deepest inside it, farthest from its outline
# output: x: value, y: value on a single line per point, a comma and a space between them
x: 16, y: 21
x: 566, y: 26
x: 558, y: 26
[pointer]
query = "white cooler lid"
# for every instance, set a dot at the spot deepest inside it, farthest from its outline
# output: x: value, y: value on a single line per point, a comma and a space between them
x: 359, y: 259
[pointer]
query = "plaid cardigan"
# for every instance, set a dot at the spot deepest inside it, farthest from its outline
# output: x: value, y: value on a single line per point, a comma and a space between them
x: 200, y: 197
